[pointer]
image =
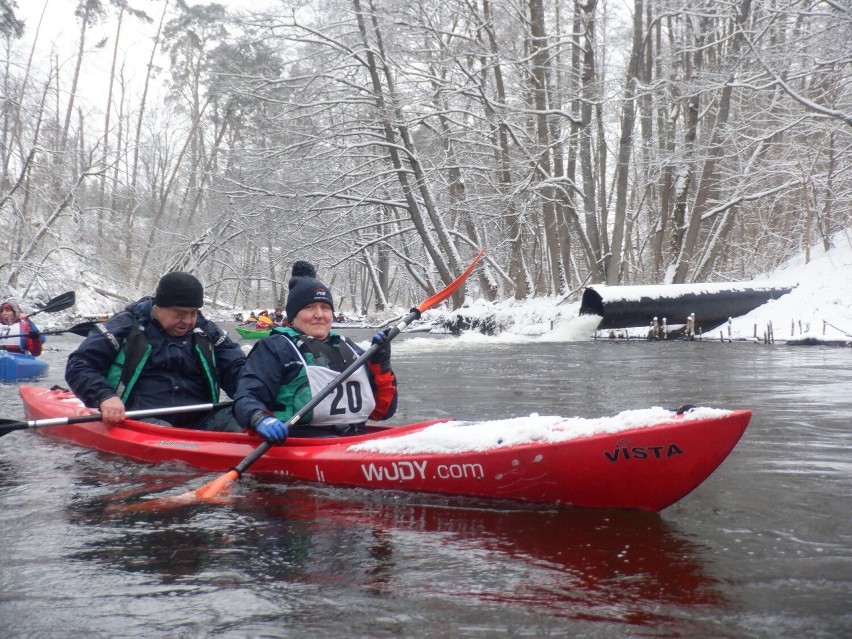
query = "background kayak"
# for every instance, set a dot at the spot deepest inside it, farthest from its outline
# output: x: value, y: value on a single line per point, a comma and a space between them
x: 19, y: 366
x: 251, y: 333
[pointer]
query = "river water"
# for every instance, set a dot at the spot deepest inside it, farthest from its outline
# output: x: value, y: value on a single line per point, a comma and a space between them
x: 762, y: 549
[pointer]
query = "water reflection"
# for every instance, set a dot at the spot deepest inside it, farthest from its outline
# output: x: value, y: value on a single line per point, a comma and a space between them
x: 578, y: 564
x: 585, y: 563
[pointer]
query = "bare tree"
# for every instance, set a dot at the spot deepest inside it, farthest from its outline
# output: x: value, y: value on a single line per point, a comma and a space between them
x: 387, y: 140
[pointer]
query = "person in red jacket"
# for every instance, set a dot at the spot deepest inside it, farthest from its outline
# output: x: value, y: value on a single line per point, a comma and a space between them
x: 18, y: 333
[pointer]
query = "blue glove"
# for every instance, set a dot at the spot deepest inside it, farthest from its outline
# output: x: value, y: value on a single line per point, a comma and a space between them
x: 272, y: 430
x: 383, y: 353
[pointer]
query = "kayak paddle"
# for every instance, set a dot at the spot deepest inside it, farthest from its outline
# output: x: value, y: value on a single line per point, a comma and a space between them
x: 222, y: 485
x: 82, y: 329
x: 9, y: 425
x: 58, y: 303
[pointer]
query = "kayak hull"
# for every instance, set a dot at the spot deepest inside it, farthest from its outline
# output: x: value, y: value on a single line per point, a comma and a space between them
x: 648, y: 468
x: 18, y: 366
x: 252, y: 333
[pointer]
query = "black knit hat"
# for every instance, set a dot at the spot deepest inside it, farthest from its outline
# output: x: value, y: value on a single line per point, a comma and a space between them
x: 305, y: 289
x: 179, y: 289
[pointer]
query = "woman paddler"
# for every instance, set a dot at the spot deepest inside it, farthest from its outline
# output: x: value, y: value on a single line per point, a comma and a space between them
x: 286, y: 369
x: 18, y: 333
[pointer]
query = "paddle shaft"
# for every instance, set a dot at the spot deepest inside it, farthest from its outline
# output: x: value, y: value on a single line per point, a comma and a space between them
x: 82, y: 329
x: 97, y: 417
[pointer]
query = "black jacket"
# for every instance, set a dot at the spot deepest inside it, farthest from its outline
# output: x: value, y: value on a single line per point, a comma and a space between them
x: 172, y: 375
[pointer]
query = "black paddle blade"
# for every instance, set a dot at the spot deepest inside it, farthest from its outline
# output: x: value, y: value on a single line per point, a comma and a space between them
x: 59, y: 303
x: 9, y: 425
x: 82, y: 329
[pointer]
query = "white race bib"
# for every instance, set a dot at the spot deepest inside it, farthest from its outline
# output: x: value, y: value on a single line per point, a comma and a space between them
x: 350, y: 403
x: 10, y: 335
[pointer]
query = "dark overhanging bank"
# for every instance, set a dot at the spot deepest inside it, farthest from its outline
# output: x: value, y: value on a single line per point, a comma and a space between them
x: 712, y: 304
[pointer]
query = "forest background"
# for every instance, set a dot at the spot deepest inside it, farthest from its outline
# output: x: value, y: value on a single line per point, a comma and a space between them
x: 617, y: 142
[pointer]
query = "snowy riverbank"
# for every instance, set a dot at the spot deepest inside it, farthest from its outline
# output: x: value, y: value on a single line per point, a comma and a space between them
x: 819, y: 308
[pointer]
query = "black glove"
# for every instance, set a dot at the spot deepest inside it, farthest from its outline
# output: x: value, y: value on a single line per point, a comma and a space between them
x: 383, y: 353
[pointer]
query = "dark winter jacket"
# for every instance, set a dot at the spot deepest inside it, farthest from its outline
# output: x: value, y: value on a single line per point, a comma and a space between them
x: 173, y: 373
x: 273, y: 365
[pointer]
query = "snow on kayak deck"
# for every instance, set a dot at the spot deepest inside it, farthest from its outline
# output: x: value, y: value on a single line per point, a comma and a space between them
x: 466, y: 436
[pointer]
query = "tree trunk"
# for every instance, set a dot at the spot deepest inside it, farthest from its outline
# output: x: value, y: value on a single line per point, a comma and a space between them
x: 107, y: 113
x: 587, y: 168
x: 133, y: 202
x: 625, y: 148
x: 517, y: 265
x: 540, y: 90
x: 385, y: 106
x: 706, y: 184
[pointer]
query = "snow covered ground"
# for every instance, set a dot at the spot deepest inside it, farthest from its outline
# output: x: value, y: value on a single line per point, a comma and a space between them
x: 819, y: 307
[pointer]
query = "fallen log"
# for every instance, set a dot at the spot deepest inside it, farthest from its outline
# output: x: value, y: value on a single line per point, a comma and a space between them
x: 713, y: 304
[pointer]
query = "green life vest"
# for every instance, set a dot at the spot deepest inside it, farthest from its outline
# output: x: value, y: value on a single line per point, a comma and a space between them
x: 326, y: 353
x: 133, y: 354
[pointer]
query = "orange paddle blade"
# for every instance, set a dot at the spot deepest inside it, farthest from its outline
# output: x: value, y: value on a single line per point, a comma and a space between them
x: 443, y: 294
x: 218, y: 487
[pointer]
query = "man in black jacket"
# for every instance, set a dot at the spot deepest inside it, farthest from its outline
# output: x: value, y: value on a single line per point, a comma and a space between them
x: 159, y: 352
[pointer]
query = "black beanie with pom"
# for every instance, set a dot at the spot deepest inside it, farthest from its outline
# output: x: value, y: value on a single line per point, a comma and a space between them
x: 305, y: 289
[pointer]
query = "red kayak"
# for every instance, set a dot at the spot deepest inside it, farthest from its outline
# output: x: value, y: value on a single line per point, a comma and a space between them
x: 643, y: 459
